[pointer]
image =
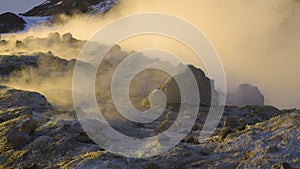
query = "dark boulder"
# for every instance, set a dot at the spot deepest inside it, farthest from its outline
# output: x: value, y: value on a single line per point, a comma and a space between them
x: 10, y: 64
x: 17, y: 139
x: 11, y: 23
x: 83, y: 137
x: 246, y: 94
x: 28, y: 126
x: 5, y: 117
x: 205, y: 86
x: 18, y: 98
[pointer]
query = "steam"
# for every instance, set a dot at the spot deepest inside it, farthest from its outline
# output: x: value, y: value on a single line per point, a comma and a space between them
x: 258, y: 41
x: 46, y: 76
x: 64, y: 46
x: 56, y: 89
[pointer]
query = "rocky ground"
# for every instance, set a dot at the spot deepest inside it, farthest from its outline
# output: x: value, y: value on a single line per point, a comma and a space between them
x: 35, y: 135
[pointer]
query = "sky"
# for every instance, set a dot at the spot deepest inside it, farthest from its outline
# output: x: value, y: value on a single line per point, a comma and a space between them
x: 18, y: 6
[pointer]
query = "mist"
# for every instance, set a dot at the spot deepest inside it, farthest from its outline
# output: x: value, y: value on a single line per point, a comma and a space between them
x: 257, y: 41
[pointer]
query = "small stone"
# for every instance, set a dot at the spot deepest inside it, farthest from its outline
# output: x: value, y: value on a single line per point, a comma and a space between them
x: 153, y: 166
x: 195, y: 127
x: 225, y: 132
x: 200, y: 163
x: 190, y: 140
x: 17, y: 139
x: 271, y: 149
x: 83, y: 137
x: 230, y: 121
x: 285, y: 165
x: 186, y: 154
x: 5, y: 117
x: 282, y: 165
x: 29, y: 126
x: 205, y: 152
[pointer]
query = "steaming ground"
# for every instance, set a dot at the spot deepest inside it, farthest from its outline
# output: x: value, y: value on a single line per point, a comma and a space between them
x: 257, y: 41
x: 24, y: 68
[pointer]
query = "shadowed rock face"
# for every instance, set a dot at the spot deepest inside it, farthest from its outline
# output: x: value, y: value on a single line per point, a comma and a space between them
x: 11, y: 97
x: 11, y: 23
x: 246, y: 94
x: 205, y: 86
x: 172, y: 90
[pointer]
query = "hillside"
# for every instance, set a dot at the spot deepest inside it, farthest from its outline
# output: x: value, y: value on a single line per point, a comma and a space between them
x: 48, y: 11
x: 68, y: 7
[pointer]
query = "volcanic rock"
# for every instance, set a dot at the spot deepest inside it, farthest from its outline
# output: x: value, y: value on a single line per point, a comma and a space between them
x: 28, y: 126
x: 69, y: 7
x: 17, y: 139
x: 246, y: 94
x: 205, y: 85
x: 270, y: 140
x: 11, y: 23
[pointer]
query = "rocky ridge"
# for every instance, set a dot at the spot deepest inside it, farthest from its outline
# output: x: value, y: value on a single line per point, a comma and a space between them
x: 10, y: 23
x: 69, y: 7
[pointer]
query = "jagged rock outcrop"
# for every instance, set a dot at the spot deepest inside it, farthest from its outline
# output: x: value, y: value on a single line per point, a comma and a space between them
x: 11, y: 23
x: 205, y: 86
x: 19, y: 112
x: 246, y: 94
x: 172, y: 91
x: 9, y: 64
x: 18, y: 98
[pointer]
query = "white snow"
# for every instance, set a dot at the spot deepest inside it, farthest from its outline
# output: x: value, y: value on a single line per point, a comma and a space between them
x: 103, y: 6
x: 46, y: 2
x: 58, y: 3
x: 33, y: 21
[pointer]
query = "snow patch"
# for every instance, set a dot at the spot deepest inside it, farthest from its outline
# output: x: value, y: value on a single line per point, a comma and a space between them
x: 103, y: 6
x: 58, y: 3
x: 46, y: 2
x: 33, y: 21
